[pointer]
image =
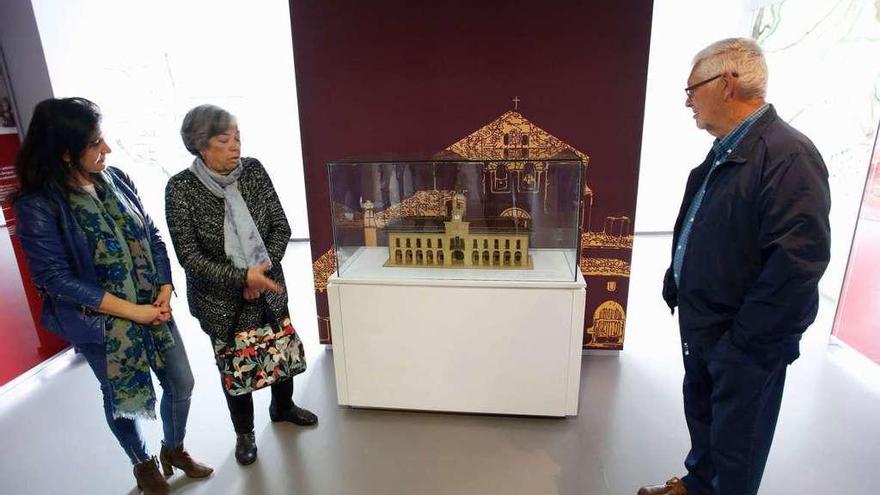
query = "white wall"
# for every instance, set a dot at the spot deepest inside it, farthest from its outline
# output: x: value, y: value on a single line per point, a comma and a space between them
x: 147, y: 63
x: 671, y: 143
x: 824, y: 80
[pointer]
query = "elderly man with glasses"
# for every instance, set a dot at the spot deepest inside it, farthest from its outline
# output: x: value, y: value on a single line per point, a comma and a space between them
x: 750, y: 244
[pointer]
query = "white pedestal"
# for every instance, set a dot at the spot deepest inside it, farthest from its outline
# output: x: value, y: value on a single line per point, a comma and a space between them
x: 500, y: 347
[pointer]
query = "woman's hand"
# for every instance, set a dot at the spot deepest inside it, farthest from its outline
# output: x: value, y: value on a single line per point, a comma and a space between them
x: 163, y: 300
x: 257, y: 279
x: 148, y: 314
x: 145, y: 314
x: 250, y: 294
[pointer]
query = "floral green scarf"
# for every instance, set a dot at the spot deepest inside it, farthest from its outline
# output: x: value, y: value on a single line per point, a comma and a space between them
x: 124, y: 266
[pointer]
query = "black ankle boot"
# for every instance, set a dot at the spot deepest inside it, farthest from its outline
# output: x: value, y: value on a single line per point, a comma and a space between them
x: 245, y: 448
x: 293, y: 414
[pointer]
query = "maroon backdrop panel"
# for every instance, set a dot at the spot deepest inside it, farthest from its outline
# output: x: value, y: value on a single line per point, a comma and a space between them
x: 417, y: 77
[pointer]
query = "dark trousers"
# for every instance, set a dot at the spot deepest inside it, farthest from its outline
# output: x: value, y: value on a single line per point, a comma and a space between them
x: 241, y: 407
x: 731, y: 404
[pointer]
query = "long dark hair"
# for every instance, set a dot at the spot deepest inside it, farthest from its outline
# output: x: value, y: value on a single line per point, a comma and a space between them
x: 58, y: 126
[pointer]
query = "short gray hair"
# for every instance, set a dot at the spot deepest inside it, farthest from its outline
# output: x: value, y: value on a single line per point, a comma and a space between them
x: 201, y: 124
x: 742, y: 56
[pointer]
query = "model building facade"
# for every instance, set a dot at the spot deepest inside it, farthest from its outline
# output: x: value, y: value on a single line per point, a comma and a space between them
x: 457, y: 242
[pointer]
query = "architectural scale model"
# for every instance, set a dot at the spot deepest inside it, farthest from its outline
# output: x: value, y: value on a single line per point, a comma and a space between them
x: 456, y: 242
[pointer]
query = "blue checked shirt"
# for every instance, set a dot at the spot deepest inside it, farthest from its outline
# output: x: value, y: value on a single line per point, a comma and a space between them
x: 721, y: 149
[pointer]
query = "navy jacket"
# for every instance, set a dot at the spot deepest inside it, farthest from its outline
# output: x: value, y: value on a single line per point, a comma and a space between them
x: 759, y: 245
x: 62, y: 263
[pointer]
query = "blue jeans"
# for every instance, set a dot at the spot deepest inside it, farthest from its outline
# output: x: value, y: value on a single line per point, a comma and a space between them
x: 177, y: 383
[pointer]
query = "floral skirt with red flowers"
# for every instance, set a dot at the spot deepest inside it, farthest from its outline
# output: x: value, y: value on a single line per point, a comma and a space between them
x: 260, y: 357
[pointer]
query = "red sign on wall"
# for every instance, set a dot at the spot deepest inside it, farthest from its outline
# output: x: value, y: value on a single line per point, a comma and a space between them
x: 856, y: 320
x: 25, y: 344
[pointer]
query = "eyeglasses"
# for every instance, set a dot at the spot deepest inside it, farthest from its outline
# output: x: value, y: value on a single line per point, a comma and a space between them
x: 689, y: 91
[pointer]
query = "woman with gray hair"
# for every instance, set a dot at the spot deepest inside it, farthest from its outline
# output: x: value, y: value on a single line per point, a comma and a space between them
x: 230, y: 233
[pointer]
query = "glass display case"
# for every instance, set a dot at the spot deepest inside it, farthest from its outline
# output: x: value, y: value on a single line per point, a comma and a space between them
x: 456, y: 219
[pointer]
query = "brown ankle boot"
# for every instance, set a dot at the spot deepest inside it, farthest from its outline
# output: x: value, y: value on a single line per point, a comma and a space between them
x: 149, y: 479
x: 181, y: 459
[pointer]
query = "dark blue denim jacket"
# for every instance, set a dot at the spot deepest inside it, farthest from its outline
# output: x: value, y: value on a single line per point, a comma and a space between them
x: 62, y: 263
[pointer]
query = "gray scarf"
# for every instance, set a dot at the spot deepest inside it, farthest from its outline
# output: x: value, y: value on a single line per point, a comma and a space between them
x: 242, y: 241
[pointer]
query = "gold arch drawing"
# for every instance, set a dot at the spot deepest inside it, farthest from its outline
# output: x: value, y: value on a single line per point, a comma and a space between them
x: 516, y: 213
x: 609, y: 321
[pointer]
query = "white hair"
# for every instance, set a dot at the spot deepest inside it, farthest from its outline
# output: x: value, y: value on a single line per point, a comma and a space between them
x: 741, y: 57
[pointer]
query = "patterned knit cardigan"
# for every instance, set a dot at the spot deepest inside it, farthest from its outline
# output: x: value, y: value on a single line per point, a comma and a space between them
x: 214, y: 286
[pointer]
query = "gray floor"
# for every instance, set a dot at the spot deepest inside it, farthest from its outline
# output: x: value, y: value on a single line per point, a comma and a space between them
x: 630, y: 429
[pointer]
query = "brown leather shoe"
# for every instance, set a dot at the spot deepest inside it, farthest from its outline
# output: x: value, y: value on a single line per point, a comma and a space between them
x: 181, y: 459
x: 149, y: 479
x: 672, y: 487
